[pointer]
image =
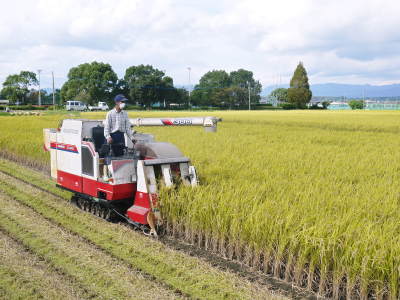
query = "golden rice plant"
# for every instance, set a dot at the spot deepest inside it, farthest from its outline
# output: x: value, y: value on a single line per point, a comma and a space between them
x: 309, y: 196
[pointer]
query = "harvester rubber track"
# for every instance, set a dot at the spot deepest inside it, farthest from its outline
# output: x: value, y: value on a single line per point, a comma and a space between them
x: 104, y: 210
x: 97, y: 208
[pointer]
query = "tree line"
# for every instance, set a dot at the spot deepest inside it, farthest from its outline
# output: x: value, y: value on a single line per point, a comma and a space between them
x: 19, y: 88
x: 145, y: 86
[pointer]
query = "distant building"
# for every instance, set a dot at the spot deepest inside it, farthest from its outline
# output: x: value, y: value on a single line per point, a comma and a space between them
x: 382, y: 105
x: 339, y: 106
x: 370, y: 104
x: 4, y: 102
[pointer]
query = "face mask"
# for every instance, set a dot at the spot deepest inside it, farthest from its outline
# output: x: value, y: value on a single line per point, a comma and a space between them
x: 122, y: 105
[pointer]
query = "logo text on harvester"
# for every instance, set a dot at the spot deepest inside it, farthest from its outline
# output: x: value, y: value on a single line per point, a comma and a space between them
x: 182, y: 122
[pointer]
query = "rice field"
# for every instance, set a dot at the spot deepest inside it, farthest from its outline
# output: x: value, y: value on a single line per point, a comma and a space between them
x: 49, y: 249
x: 311, y: 197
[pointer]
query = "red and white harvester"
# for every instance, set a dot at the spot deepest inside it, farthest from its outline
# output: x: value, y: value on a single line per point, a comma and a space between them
x: 125, y: 186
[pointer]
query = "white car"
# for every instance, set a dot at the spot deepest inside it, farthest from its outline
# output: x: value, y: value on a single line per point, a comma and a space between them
x: 75, y: 105
x: 100, y: 106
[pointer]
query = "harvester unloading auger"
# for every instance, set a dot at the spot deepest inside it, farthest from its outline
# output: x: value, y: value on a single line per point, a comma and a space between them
x: 125, y: 186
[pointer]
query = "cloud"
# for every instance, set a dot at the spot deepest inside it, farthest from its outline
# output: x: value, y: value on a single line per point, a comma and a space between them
x: 339, y: 41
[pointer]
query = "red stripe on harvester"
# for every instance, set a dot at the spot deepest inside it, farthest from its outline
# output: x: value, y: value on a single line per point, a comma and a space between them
x: 167, y: 122
x: 64, y: 147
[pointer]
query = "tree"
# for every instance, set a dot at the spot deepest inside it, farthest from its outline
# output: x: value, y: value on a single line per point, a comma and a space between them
x: 168, y: 92
x: 221, y: 97
x: 16, y: 86
x: 90, y: 82
x: 28, y: 79
x: 218, y: 88
x: 121, y: 88
x: 356, y: 104
x: 182, y: 96
x: 299, y: 92
x: 241, y: 79
x: 280, y: 94
x: 208, y: 91
x: 147, y: 85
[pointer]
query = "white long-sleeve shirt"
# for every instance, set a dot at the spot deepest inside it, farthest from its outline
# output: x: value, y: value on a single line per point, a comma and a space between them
x: 117, y: 121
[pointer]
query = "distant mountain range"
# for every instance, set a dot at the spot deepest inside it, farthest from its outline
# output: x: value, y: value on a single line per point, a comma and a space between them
x: 347, y: 90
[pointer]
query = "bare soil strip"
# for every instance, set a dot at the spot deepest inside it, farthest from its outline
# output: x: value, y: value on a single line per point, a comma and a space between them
x: 189, y: 275
x: 103, y: 275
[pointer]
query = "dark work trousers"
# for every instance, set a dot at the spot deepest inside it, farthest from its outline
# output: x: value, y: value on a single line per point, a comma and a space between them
x: 118, y: 143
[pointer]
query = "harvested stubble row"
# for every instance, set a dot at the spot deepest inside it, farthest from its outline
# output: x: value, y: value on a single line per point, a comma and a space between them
x: 98, y: 273
x: 178, y: 271
x: 24, y: 275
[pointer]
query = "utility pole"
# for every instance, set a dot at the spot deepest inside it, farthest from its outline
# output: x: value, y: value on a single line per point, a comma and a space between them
x: 248, y: 85
x: 40, y: 99
x: 189, y: 69
x: 365, y: 105
x: 54, y: 96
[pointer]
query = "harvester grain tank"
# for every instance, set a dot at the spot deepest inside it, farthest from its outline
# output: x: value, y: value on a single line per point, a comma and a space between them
x: 120, y: 186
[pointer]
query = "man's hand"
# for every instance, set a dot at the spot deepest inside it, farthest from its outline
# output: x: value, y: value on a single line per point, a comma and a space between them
x: 109, y: 140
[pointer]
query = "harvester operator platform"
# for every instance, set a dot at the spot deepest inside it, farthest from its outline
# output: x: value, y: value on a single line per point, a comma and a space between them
x: 116, y: 125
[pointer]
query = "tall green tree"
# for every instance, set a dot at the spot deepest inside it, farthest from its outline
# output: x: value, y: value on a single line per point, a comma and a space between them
x: 182, y: 96
x: 147, y: 85
x: 16, y: 86
x: 242, y: 79
x: 90, y: 82
x: 218, y: 88
x: 169, y: 94
x: 209, y: 91
x: 299, y: 92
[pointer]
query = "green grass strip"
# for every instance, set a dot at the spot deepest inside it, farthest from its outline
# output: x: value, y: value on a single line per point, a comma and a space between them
x: 105, y: 276
x: 30, y: 271
x: 34, y: 177
x: 12, y: 286
x: 58, y: 259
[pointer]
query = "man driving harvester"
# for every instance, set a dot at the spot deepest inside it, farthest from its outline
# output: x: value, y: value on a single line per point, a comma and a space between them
x: 116, y: 125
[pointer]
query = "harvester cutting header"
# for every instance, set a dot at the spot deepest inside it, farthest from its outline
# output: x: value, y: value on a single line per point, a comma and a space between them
x: 124, y: 185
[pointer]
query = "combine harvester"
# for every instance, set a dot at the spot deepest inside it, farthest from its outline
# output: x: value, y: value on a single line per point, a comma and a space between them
x: 125, y: 186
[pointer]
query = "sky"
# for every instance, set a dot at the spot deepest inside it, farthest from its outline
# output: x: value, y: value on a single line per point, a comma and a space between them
x: 355, y: 42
